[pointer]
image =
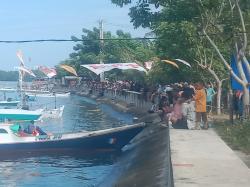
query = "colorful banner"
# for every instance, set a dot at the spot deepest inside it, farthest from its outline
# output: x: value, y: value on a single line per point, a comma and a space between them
x: 100, y: 68
x: 183, y: 61
x: 69, y: 69
x: 49, y: 72
x: 170, y: 62
x: 235, y: 85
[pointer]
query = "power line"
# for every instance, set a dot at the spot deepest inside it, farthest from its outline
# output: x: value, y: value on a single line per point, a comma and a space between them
x: 104, y: 39
x: 72, y: 40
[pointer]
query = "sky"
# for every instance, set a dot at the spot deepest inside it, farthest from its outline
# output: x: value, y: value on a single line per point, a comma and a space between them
x: 54, y: 19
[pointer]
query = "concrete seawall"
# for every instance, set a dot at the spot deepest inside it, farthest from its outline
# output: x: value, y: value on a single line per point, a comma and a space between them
x: 146, y: 161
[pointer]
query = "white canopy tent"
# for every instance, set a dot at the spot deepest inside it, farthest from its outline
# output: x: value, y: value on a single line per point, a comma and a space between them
x: 100, y: 68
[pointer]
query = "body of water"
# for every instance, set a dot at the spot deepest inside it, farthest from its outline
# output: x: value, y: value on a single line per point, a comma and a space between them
x: 68, y: 169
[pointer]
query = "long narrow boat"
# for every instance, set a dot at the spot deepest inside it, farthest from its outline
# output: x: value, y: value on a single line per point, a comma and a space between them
x: 8, y: 90
x: 9, y: 103
x: 19, y: 114
x: 15, y: 140
x: 50, y: 95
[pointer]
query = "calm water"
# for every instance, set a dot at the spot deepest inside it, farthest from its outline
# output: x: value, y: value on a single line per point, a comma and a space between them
x: 64, y: 169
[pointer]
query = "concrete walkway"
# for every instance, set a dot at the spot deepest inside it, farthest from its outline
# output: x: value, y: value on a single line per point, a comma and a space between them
x: 201, y: 159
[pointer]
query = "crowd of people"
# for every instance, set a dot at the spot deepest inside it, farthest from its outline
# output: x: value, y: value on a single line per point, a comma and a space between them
x: 183, y: 105
x: 170, y: 97
x: 180, y: 105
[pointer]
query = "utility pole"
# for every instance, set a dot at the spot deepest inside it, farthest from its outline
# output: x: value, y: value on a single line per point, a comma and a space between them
x: 101, y: 47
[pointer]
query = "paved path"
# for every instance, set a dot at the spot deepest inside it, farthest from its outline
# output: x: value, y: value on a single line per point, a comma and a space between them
x: 202, y: 159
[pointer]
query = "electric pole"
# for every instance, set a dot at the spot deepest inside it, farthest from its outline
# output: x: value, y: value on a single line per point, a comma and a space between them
x: 101, y: 47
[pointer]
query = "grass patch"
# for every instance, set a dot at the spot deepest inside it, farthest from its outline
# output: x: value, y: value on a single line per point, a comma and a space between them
x: 237, y: 136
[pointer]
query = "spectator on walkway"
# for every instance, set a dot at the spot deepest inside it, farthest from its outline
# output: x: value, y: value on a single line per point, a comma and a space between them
x: 188, y: 111
x: 164, y: 107
x: 210, y: 94
x: 188, y: 92
x: 239, y: 95
x: 200, y: 106
x: 235, y: 105
x: 176, y: 114
x: 153, y: 99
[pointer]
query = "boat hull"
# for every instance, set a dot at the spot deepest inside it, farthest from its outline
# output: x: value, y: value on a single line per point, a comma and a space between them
x: 9, y: 103
x: 19, y: 114
x: 111, y: 140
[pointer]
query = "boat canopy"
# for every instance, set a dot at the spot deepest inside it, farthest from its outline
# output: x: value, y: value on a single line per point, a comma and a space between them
x: 15, y: 128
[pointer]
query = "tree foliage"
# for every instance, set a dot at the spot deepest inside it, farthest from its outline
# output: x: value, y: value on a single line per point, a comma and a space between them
x: 178, y: 25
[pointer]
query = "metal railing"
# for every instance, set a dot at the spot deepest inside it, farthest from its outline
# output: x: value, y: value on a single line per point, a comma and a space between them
x: 132, y: 98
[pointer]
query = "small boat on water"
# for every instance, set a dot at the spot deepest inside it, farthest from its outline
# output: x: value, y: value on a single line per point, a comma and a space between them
x: 6, y: 89
x: 50, y: 95
x: 15, y: 138
x: 19, y: 114
x: 9, y: 103
x: 36, y: 91
x: 55, y: 113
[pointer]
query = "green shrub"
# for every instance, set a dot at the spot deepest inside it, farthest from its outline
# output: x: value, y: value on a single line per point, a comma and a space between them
x: 237, y: 136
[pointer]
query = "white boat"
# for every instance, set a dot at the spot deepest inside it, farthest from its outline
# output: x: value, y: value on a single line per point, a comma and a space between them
x: 55, y: 113
x: 8, y: 89
x: 9, y: 103
x: 50, y: 95
x: 36, y: 91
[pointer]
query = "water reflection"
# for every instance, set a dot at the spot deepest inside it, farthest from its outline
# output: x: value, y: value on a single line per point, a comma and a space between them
x: 74, y: 169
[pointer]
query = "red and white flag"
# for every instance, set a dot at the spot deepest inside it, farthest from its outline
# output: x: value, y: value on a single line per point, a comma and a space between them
x: 19, y: 54
x: 26, y: 70
x: 49, y: 72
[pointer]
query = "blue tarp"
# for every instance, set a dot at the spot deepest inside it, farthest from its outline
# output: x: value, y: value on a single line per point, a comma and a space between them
x: 235, y: 85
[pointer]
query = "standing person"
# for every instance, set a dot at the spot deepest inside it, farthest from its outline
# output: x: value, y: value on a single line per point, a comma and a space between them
x: 210, y: 93
x: 235, y: 105
x: 188, y: 111
x: 161, y: 105
x: 239, y: 95
x: 153, y: 98
x: 200, y: 107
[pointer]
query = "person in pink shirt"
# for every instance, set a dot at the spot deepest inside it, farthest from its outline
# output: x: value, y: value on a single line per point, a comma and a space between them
x: 176, y: 114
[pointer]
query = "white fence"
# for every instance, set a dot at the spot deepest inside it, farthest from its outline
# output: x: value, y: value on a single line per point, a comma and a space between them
x: 132, y: 98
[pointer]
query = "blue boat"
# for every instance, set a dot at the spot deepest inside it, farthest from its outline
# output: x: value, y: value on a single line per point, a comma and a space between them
x: 15, y: 139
